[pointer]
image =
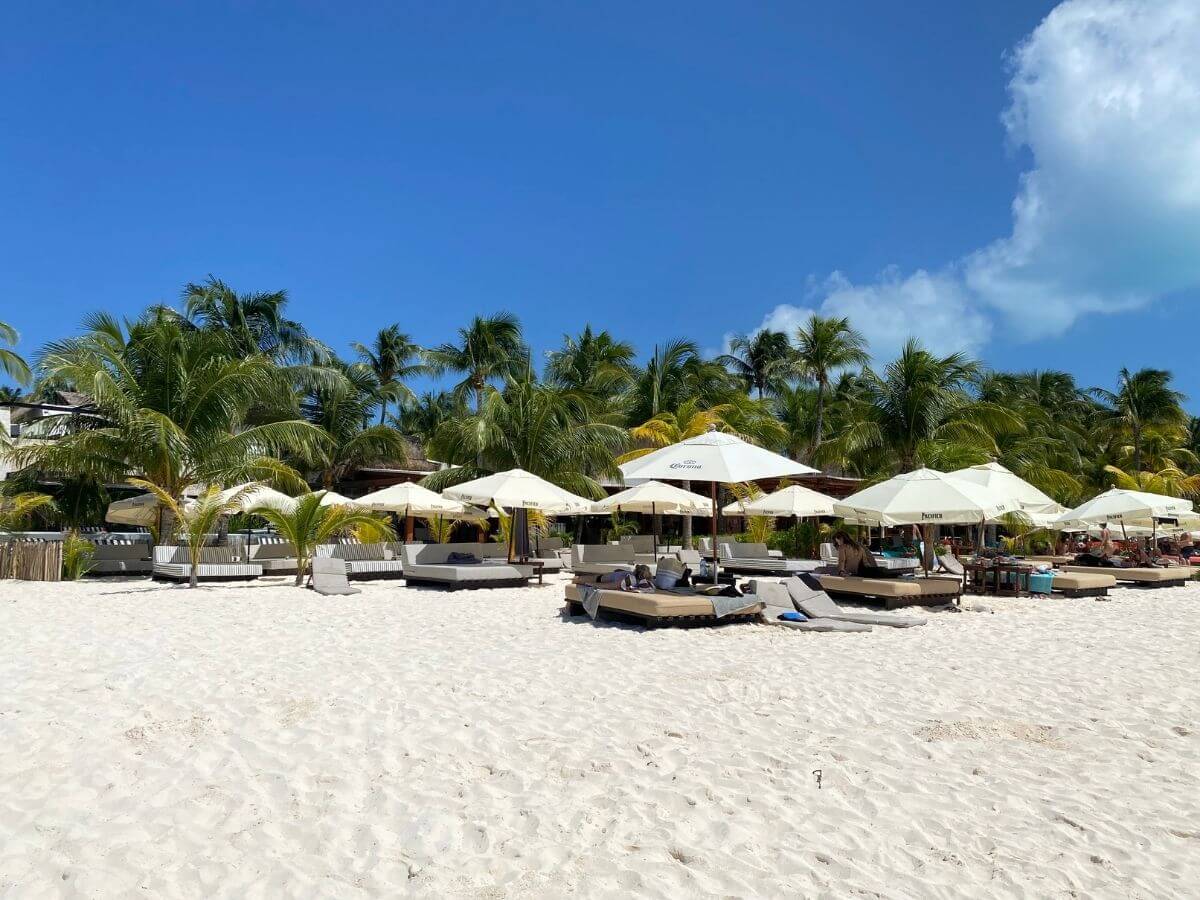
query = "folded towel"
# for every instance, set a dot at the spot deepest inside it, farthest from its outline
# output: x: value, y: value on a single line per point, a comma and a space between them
x: 725, y: 606
x: 462, y: 559
x: 590, y: 600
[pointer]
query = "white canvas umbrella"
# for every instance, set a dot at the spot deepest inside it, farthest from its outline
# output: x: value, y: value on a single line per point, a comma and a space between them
x: 258, y: 495
x: 1001, y: 481
x: 333, y: 498
x: 410, y: 499
x: 923, y: 497
x: 717, y: 458
x: 655, y: 498
x: 519, y: 491
x: 795, y: 500
x: 141, y: 510
x: 1119, y: 505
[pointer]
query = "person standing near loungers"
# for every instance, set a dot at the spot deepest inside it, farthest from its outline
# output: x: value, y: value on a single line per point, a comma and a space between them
x: 1107, y: 548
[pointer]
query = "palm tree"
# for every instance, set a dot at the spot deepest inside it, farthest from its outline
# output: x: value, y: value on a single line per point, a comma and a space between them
x: 763, y: 359
x: 197, y: 518
x: 823, y: 346
x: 540, y: 428
x: 392, y: 357
x: 1170, y: 481
x: 255, y: 322
x: 341, y: 407
x: 920, y: 411
x: 309, y: 524
x: 10, y: 363
x: 424, y: 416
x: 1142, y: 399
x: 169, y: 407
x: 16, y: 510
x: 490, y: 348
x: 674, y: 374
x: 591, y: 362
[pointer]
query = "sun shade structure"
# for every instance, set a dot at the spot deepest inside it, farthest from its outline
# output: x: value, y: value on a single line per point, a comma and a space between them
x: 655, y: 497
x: 140, y: 510
x: 257, y: 495
x: 796, y: 501
x: 923, y: 497
x: 518, y: 489
x: 333, y: 498
x: 143, y: 509
x: 1004, y: 483
x: 1120, y: 505
x: 717, y: 458
x: 410, y: 499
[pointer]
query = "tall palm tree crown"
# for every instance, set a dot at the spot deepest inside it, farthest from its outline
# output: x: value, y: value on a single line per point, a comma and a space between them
x: 11, y: 364
x: 490, y: 348
x: 824, y: 345
x: 392, y: 357
x: 763, y: 360
x: 1143, y: 399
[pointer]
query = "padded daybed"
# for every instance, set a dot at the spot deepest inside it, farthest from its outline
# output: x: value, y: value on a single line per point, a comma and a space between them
x: 756, y: 559
x: 363, y: 561
x: 1089, y: 583
x: 894, y: 592
x: 428, y: 564
x: 276, y: 556
x: 216, y: 564
x: 600, y: 559
x: 1171, y: 576
x: 118, y: 556
x: 659, y: 609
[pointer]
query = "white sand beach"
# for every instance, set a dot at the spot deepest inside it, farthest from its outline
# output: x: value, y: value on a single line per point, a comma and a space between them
x: 260, y: 741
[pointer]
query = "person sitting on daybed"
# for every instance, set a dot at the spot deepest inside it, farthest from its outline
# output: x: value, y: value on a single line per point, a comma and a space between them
x: 853, y: 558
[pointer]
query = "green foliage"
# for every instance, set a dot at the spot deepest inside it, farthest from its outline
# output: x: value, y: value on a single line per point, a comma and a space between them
x: 78, y: 555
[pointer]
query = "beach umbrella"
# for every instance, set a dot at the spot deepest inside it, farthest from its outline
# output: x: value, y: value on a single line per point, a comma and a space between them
x: 517, y: 489
x: 410, y: 499
x: 257, y: 495
x: 333, y: 498
x: 141, y: 510
x: 924, y: 497
x: 1025, y: 497
x: 795, y: 500
x: 717, y: 458
x: 655, y: 498
x: 1120, y: 505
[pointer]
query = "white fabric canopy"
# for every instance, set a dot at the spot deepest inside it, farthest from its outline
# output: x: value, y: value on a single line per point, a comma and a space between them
x: 713, y: 456
x: 143, y: 509
x: 656, y: 497
x: 1119, y: 505
x: 794, y: 500
x: 258, y: 495
x: 1006, y: 484
x: 140, y: 510
x: 518, y: 489
x: 923, y: 497
x: 410, y: 498
x: 333, y: 498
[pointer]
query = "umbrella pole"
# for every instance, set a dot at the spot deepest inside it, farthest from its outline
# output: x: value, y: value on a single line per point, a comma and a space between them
x: 715, y: 554
x: 408, y: 524
x: 654, y: 529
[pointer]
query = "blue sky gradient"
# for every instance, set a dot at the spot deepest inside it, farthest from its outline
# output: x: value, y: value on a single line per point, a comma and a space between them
x: 657, y: 170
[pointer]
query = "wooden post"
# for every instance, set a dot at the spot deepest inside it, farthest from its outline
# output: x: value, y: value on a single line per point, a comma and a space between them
x: 715, y: 553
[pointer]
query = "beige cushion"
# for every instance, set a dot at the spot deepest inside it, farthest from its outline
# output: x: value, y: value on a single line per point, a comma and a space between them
x: 1145, y: 576
x: 657, y: 605
x: 871, y: 587
x: 1082, y: 581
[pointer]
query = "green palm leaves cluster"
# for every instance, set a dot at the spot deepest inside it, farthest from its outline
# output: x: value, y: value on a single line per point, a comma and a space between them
x: 230, y: 389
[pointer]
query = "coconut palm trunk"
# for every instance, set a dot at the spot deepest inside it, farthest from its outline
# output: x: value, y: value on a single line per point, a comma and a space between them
x: 686, y: 527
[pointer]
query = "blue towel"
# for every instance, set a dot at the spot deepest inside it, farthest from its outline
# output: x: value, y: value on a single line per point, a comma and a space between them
x: 793, y: 617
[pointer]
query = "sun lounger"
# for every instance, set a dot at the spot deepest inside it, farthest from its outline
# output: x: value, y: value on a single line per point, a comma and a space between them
x: 122, y: 556
x: 1170, y: 576
x: 329, y: 578
x: 894, y: 592
x: 275, y: 555
x: 777, y: 600
x: 756, y: 559
x: 817, y: 604
x: 600, y: 559
x: 429, y: 564
x: 658, y: 609
x: 951, y: 564
x: 1089, y: 583
x: 550, y: 551
x: 216, y: 564
x: 363, y: 561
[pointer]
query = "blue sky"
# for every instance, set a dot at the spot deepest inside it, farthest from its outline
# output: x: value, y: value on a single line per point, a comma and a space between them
x: 659, y: 170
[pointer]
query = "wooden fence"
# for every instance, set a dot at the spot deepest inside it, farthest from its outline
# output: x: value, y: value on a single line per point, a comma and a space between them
x: 31, y: 560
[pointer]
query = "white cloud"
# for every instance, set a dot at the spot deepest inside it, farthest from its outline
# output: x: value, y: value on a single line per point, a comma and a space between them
x: 1106, y: 96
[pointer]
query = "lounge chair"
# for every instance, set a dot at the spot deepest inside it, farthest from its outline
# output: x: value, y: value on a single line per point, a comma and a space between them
x: 756, y: 559
x: 1170, y: 576
x: 829, y: 555
x: 550, y: 551
x: 776, y: 600
x: 643, y: 547
x: 216, y: 564
x: 329, y: 577
x: 949, y: 563
x: 122, y: 556
x: 654, y: 610
x: 1091, y: 583
x: 429, y: 564
x: 895, y: 592
x: 363, y: 561
x: 275, y: 555
x: 600, y: 559
x: 818, y: 604
x: 690, y: 558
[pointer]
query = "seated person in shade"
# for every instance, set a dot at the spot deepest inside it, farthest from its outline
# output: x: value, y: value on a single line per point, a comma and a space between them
x: 853, y: 557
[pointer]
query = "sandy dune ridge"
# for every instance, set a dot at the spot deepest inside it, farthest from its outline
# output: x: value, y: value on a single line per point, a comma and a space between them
x: 259, y: 741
